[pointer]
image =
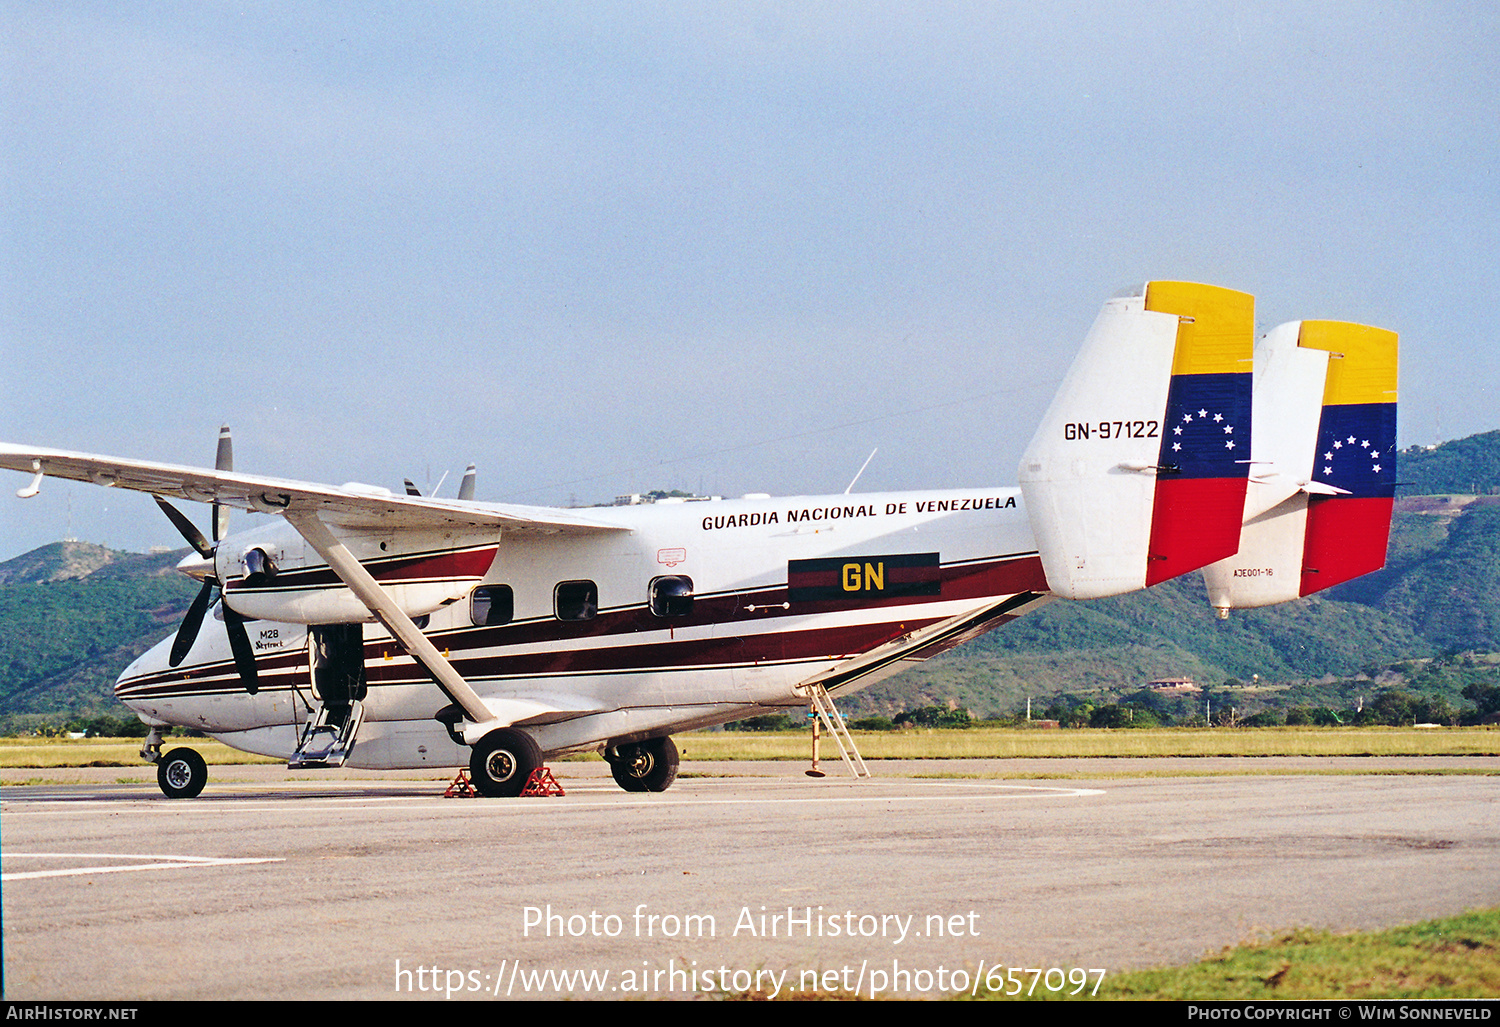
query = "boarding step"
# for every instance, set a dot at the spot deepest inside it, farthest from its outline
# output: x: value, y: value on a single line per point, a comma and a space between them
x: 328, y: 738
x: 833, y: 723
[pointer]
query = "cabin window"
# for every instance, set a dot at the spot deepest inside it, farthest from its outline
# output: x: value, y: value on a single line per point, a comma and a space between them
x: 576, y: 600
x: 492, y: 604
x: 672, y: 595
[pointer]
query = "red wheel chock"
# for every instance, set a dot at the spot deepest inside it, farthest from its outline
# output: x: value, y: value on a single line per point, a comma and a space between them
x: 541, y: 782
x: 461, y: 788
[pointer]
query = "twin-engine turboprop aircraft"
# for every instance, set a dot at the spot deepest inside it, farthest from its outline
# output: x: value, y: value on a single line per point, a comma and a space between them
x: 400, y: 631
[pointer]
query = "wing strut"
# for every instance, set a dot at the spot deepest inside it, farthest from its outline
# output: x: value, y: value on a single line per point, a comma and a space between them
x: 352, y: 573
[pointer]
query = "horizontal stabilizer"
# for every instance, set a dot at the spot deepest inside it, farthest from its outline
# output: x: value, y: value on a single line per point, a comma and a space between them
x: 1318, y: 508
x: 1138, y: 471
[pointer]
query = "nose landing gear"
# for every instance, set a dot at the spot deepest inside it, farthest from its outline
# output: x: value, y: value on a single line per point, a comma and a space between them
x: 181, y: 773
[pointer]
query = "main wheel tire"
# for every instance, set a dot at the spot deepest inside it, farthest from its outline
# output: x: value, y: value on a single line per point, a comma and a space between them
x: 649, y: 766
x: 502, y: 762
x: 181, y: 774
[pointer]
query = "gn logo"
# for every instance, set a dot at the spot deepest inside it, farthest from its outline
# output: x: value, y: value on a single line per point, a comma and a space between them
x: 859, y: 579
x: 871, y: 580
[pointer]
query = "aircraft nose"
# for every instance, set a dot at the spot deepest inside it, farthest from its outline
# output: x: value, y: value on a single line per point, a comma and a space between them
x: 152, y: 662
x: 195, y: 566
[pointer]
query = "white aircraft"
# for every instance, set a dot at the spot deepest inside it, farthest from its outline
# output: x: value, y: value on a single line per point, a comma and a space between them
x: 400, y: 631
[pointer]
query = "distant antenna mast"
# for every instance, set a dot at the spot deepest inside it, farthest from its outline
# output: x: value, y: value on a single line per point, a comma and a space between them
x: 862, y: 468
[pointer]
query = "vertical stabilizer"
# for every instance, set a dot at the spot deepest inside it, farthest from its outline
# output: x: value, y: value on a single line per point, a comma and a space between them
x: 1205, y: 449
x: 1322, y: 487
x: 1137, y: 472
x: 1347, y: 530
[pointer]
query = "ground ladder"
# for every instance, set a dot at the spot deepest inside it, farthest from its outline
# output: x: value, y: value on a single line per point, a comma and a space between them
x: 833, y: 722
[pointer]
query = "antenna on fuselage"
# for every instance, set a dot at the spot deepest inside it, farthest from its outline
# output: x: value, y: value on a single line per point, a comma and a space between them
x: 862, y: 468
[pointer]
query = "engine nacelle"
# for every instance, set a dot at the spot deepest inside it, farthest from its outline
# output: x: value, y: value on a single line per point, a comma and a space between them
x: 272, y: 574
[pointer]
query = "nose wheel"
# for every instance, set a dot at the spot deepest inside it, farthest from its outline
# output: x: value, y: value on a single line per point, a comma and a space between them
x: 181, y: 774
x: 649, y: 766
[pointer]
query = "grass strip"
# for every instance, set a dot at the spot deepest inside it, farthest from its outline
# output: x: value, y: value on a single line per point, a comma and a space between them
x: 1451, y: 958
x: 922, y: 743
x: 1022, y: 743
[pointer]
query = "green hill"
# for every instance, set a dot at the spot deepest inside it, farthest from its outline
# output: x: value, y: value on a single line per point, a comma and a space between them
x: 1442, y: 576
x: 1170, y: 630
x: 96, y: 608
x: 1464, y: 466
x: 1439, y: 593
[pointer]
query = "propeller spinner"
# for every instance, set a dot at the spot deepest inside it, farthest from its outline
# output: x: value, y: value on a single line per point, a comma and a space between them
x: 234, y: 624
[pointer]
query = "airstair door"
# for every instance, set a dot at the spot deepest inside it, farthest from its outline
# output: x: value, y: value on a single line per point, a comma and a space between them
x: 336, y: 660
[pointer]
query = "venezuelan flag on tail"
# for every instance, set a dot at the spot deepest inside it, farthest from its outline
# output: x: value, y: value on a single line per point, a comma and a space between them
x: 1318, y: 509
x: 1137, y: 472
x: 1347, y: 529
x: 1204, y: 461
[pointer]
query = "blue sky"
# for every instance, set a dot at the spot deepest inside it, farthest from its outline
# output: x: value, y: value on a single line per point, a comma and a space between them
x: 732, y: 248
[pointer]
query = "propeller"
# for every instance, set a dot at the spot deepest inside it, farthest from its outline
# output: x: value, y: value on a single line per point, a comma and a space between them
x: 234, y: 624
x: 465, y: 487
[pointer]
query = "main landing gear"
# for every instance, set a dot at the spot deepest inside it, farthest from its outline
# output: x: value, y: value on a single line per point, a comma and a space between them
x: 181, y: 773
x: 502, y: 762
x: 649, y: 766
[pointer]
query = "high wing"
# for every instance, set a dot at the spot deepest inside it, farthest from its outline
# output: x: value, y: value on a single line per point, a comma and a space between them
x: 313, y: 510
x: 350, y: 506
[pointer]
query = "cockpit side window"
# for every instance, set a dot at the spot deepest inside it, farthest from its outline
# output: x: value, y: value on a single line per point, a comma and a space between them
x: 492, y: 604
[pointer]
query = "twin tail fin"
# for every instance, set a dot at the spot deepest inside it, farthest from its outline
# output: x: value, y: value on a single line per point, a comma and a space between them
x: 1178, y: 442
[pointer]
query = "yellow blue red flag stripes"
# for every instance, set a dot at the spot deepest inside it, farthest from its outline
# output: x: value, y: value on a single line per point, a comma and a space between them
x: 1347, y: 531
x: 1203, y: 465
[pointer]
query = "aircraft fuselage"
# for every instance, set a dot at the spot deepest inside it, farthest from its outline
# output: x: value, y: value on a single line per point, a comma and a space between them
x: 778, y: 590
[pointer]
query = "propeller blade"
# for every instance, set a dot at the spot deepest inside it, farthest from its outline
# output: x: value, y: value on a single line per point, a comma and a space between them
x: 239, y: 644
x: 223, y: 461
x: 224, y: 458
x: 187, y: 634
x: 186, y: 528
x: 466, y: 487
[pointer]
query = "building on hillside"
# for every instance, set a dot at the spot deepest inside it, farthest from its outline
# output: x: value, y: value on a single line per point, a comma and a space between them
x: 1173, y: 686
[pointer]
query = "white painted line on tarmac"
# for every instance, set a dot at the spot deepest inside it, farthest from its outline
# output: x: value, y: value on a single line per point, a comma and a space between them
x: 930, y: 792
x: 154, y: 863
